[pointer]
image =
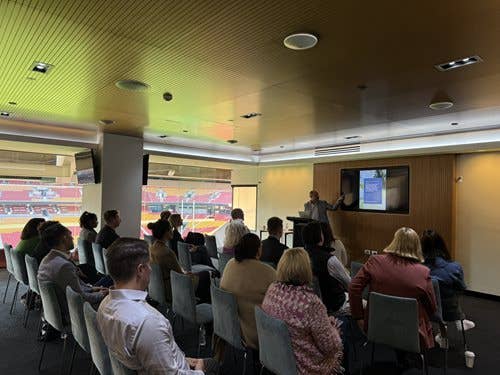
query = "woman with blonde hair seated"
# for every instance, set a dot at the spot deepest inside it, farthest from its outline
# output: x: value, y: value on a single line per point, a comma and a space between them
x: 399, y: 272
x: 315, y: 336
x: 234, y: 233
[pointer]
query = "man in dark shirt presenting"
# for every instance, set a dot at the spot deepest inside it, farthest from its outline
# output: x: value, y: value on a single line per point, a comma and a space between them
x: 107, y: 234
x: 272, y: 248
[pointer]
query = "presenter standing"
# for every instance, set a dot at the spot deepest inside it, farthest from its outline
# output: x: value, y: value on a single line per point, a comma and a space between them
x: 316, y: 208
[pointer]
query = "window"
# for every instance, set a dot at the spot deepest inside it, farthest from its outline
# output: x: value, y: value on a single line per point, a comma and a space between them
x: 245, y: 197
x: 21, y: 200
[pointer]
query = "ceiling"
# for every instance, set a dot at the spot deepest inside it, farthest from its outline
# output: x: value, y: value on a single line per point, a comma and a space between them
x: 223, y: 59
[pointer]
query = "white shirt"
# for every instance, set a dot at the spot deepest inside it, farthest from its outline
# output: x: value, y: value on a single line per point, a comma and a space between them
x: 315, y: 211
x: 139, y: 336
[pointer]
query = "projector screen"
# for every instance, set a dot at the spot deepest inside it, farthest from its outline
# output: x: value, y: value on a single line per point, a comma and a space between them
x: 384, y: 189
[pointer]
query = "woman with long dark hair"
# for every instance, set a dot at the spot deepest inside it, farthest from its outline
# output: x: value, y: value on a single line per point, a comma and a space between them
x: 88, y: 223
x: 30, y: 237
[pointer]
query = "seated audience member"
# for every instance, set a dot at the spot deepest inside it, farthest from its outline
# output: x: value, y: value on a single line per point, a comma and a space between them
x: 107, y: 235
x: 88, y: 223
x: 237, y: 214
x: 316, y: 340
x: 248, y: 279
x: 42, y: 249
x: 135, y: 333
x: 30, y: 238
x: 197, y: 249
x: 164, y: 215
x: 57, y: 267
x: 162, y: 255
x: 235, y: 230
x: 398, y: 272
x: 176, y: 223
x: 272, y: 248
x: 330, y: 241
x: 332, y: 277
x: 449, y: 274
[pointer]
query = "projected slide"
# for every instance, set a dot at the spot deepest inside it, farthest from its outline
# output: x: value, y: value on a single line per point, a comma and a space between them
x: 372, y: 189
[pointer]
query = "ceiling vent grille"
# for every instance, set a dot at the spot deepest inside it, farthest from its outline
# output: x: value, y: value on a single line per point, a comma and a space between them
x: 450, y: 65
x: 337, y: 150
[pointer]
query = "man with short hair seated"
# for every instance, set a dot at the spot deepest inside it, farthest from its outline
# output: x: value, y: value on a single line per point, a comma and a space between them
x: 272, y: 248
x: 107, y: 235
x: 135, y: 333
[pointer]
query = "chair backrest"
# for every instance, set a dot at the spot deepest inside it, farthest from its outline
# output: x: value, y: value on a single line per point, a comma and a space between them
x: 51, y: 307
x: 223, y: 259
x: 105, y: 261
x: 119, y: 368
x: 393, y: 321
x: 156, y: 285
x: 78, y: 327
x: 355, y: 267
x: 149, y: 239
x: 183, y: 299
x: 438, y: 315
x: 98, y: 257
x: 20, y: 272
x: 32, y: 269
x: 85, y: 252
x: 211, y: 245
x: 275, y: 345
x: 98, y: 349
x: 184, y: 256
x: 225, y: 312
x: 8, y: 258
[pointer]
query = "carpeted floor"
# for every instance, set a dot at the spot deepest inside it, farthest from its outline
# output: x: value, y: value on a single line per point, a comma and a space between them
x: 20, y: 351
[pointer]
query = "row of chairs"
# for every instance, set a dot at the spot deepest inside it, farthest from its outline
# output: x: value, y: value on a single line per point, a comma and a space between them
x: 93, y: 254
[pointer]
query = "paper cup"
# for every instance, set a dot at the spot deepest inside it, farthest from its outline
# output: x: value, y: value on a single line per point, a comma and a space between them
x: 469, y: 359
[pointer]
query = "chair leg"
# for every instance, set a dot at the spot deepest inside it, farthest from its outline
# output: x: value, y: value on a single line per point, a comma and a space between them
x: 199, y: 343
x: 29, y: 298
x: 72, y: 358
x: 463, y: 335
x: 261, y: 369
x: 41, y: 355
x: 14, y: 298
x: 6, y: 288
x: 373, y: 354
x: 65, y: 337
x: 425, y: 369
x: 245, y: 363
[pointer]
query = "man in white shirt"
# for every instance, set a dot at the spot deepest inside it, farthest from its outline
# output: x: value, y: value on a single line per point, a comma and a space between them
x: 135, y: 333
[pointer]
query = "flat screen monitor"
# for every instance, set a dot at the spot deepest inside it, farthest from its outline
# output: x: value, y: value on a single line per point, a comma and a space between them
x: 384, y: 189
x: 85, y: 168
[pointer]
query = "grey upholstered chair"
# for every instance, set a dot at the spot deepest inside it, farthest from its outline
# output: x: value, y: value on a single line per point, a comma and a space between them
x: 355, y: 267
x: 149, y: 239
x: 85, y: 255
x: 226, y: 322
x: 393, y: 321
x: 223, y: 259
x: 438, y: 319
x: 53, y: 315
x: 32, y: 270
x: 105, y: 261
x: 211, y: 245
x: 156, y: 289
x: 185, y: 259
x: 21, y: 276
x: 97, y: 251
x: 184, y: 303
x: 275, y: 345
x: 119, y: 368
x: 98, y: 350
x: 7, y: 249
x: 78, y: 327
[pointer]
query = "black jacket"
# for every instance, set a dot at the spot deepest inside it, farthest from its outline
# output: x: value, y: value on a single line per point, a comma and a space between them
x: 272, y: 250
x: 106, y: 236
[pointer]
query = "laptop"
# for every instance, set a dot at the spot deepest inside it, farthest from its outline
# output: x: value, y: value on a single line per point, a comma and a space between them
x: 305, y: 214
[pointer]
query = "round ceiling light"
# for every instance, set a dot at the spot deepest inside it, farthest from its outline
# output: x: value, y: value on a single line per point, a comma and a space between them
x: 131, y: 85
x: 232, y: 141
x: 438, y: 106
x: 106, y: 122
x: 300, y: 41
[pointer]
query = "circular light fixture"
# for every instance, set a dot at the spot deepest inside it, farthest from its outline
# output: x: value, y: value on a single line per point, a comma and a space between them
x: 439, y: 106
x: 163, y: 136
x: 4, y: 114
x: 12, y: 103
x: 454, y: 124
x: 300, y: 41
x: 131, y: 85
x: 185, y: 131
x: 282, y: 146
x: 232, y: 141
x: 106, y: 122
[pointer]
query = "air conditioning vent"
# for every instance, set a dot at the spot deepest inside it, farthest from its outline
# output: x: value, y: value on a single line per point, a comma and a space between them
x: 459, y: 63
x: 337, y: 150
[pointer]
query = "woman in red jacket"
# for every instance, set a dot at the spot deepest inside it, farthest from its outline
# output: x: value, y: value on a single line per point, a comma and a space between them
x: 399, y: 272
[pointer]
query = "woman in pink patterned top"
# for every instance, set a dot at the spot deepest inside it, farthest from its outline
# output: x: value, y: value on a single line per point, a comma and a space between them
x: 315, y: 336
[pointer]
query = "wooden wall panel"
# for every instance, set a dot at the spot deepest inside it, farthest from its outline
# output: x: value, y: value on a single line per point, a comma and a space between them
x: 432, y: 195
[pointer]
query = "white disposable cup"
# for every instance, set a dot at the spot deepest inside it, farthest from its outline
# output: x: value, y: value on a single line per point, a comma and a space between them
x: 469, y: 359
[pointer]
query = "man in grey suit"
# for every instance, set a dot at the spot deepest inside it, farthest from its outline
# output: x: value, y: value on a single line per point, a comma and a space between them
x: 57, y: 267
x: 316, y: 208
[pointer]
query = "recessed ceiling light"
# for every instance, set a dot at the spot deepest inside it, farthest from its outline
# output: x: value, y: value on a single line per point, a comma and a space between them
x: 251, y: 115
x: 163, y: 136
x: 185, y: 131
x: 232, y: 141
x: 454, y: 124
x: 439, y: 106
x: 459, y: 63
x: 282, y: 146
x: 4, y: 114
x: 12, y: 103
x: 106, y: 122
x: 300, y: 41
x: 131, y: 85
x: 41, y: 67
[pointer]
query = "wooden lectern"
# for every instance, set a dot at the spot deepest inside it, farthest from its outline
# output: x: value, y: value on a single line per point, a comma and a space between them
x: 298, y: 224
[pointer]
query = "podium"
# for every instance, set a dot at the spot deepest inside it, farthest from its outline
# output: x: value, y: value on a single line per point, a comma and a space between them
x: 298, y: 224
